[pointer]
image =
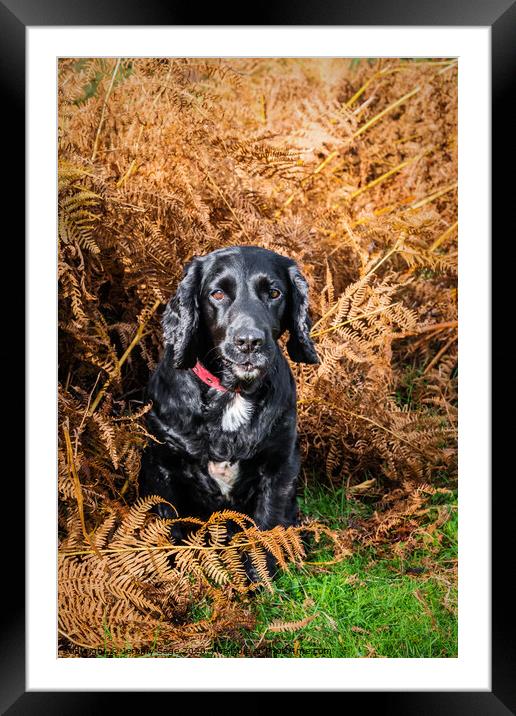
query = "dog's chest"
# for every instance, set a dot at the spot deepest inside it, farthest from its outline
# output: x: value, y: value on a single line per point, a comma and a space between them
x: 235, y: 416
x: 225, y: 475
x: 236, y: 413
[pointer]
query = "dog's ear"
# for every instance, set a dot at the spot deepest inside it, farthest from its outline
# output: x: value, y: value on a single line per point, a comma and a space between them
x: 181, y: 317
x: 300, y: 346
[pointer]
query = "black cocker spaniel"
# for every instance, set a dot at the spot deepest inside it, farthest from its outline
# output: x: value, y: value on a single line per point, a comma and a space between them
x: 223, y: 396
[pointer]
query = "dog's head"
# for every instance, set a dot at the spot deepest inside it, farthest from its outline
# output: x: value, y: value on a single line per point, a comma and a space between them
x: 233, y: 304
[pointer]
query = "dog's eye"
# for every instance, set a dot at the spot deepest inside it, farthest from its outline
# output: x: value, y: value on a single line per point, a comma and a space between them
x: 218, y: 295
x: 274, y: 293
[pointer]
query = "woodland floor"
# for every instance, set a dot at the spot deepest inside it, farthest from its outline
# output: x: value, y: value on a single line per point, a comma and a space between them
x: 369, y: 605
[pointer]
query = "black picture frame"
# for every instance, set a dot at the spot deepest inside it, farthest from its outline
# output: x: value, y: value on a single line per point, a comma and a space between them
x: 15, y: 17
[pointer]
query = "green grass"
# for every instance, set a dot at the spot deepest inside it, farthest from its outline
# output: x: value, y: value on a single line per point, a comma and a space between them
x: 404, y: 394
x: 366, y: 605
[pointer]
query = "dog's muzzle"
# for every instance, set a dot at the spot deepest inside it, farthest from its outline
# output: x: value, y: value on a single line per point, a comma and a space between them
x: 246, y: 353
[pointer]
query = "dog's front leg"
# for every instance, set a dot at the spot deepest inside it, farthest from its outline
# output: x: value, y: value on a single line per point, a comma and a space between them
x: 276, y: 503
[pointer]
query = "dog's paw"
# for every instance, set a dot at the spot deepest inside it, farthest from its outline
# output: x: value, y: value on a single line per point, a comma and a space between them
x: 252, y: 572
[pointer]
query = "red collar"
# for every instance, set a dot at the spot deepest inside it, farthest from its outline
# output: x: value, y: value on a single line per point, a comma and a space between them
x: 210, y: 379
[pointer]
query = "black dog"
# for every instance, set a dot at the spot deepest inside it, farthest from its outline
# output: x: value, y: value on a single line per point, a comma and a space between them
x: 223, y: 396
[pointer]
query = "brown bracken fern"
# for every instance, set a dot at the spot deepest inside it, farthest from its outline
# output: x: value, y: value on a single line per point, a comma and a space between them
x: 348, y: 167
x: 121, y: 586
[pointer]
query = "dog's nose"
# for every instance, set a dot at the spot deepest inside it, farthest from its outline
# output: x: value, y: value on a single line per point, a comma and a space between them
x: 249, y: 340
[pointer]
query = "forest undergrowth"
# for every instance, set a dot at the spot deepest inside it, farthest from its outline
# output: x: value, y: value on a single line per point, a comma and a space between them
x: 347, y: 166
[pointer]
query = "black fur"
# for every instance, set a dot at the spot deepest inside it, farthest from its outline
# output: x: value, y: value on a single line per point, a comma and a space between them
x: 234, y: 336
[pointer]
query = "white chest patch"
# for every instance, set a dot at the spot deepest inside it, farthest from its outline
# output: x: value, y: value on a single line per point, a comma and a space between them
x: 236, y: 413
x: 224, y: 474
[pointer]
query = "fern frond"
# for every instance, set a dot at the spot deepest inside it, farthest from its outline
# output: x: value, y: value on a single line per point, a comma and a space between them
x: 281, y: 626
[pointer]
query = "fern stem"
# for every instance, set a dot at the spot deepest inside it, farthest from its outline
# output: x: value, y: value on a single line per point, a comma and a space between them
x: 263, y: 109
x: 318, y: 169
x: 431, y: 197
x: 134, y: 342
x: 74, y: 641
x: 439, y: 355
x: 75, y: 478
x: 385, y: 111
x: 325, y: 315
x: 388, y: 174
x: 127, y: 174
x: 437, y: 326
x: 77, y: 486
x: 395, y: 104
x: 324, y: 162
x: 169, y: 549
x: 103, y: 113
x: 389, y: 208
x: 444, y: 236
x: 391, y: 70
x: 85, y: 415
x: 389, y: 253
x: 432, y: 331
x: 439, y: 239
